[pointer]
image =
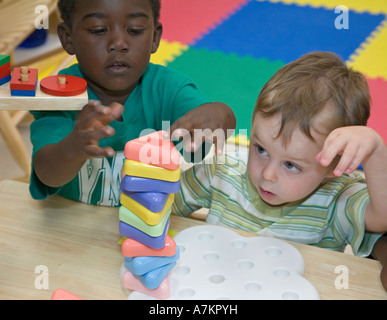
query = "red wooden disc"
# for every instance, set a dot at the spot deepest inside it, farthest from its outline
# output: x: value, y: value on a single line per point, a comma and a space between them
x: 74, y: 86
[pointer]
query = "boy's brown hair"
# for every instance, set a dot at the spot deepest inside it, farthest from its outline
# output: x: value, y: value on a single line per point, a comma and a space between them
x: 300, y: 90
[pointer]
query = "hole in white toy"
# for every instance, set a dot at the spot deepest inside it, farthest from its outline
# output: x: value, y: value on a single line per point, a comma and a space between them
x: 281, y: 273
x: 245, y: 265
x: 181, y: 248
x: 206, y: 236
x: 273, y: 252
x: 253, y: 287
x: 289, y: 295
x: 182, y: 270
x: 239, y: 244
x: 217, y: 278
x: 186, y: 293
x: 211, y: 256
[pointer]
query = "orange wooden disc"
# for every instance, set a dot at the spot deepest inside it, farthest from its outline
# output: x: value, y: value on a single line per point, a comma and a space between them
x: 74, y: 86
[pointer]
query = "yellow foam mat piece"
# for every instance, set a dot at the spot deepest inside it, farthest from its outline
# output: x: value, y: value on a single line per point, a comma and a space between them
x: 167, y: 52
x: 370, y: 58
x: 372, y: 6
x: 139, y: 169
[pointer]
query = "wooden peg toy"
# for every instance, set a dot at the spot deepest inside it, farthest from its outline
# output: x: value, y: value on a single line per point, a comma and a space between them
x: 24, y: 70
x: 24, y: 81
x: 5, y: 79
x: 5, y: 70
x: 61, y: 80
x: 63, y: 85
x: 4, y: 59
x: 24, y: 77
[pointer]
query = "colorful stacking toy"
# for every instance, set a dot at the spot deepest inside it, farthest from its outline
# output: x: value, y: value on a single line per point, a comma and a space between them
x: 152, y: 176
x: 24, y: 81
x: 5, y: 69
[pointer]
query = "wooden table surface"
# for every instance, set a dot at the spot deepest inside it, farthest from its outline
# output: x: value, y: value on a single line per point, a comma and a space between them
x: 76, y: 245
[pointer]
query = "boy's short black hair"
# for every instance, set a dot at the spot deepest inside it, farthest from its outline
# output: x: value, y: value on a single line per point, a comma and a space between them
x: 67, y: 7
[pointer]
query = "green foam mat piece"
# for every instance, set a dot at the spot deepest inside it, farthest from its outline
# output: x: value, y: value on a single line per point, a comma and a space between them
x: 229, y: 78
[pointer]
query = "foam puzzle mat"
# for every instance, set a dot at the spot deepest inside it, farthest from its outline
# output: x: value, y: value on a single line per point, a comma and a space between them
x: 217, y: 263
x: 230, y: 48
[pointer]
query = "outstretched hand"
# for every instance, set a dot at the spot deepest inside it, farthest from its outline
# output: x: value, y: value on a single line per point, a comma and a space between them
x: 92, y: 126
x: 211, y: 122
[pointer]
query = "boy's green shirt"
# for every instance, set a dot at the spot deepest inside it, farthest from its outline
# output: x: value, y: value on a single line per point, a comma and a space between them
x: 162, y: 95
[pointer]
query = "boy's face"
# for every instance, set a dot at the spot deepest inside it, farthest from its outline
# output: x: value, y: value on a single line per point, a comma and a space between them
x: 113, y: 41
x: 280, y: 174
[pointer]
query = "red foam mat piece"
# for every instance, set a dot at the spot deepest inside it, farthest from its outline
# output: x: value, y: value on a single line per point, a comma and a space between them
x: 186, y: 20
x: 378, y: 118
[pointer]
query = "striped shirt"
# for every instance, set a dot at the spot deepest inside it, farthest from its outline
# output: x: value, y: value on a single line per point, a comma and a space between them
x: 331, y: 217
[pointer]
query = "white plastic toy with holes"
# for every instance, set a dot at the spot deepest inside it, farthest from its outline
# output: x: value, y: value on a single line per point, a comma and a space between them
x: 217, y: 263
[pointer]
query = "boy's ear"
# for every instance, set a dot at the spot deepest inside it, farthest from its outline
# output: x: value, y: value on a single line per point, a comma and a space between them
x: 64, y: 34
x: 157, y: 36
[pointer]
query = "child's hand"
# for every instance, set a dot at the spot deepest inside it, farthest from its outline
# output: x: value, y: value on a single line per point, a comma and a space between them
x: 92, y: 126
x: 211, y: 122
x: 354, y: 144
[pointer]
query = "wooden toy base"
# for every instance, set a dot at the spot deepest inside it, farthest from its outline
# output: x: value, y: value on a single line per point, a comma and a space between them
x: 41, y: 101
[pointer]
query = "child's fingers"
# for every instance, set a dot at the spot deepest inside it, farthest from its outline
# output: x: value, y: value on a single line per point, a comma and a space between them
x: 98, y: 134
x: 346, y: 160
x: 94, y: 113
x: 116, y: 110
x: 326, y: 156
x: 333, y: 146
x: 94, y: 151
x: 219, y: 142
x: 189, y: 142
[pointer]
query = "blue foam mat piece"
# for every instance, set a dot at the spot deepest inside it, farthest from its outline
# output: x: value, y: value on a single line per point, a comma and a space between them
x: 285, y: 32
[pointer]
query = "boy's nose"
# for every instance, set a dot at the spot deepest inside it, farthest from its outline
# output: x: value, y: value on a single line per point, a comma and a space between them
x: 269, y: 173
x: 118, y: 42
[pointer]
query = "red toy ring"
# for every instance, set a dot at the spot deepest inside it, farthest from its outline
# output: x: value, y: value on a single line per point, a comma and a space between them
x: 74, y: 85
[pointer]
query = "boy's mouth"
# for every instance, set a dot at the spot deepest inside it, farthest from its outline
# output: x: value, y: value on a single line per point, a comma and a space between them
x: 266, y: 194
x: 118, y: 67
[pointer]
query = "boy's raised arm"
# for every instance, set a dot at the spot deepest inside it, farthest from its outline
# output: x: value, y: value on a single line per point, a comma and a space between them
x: 57, y: 164
x: 361, y: 145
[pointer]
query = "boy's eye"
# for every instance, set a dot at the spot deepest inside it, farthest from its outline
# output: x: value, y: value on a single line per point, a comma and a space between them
x: 135, y: 31
x: 292, y: 167
x: 98, y: 31
x: 261, y: 151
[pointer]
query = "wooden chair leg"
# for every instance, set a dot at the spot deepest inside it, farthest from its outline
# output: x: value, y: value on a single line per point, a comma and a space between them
x: 15, y: 142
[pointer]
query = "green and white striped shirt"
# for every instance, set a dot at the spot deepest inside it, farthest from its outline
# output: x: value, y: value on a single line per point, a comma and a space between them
x: 331, y: 217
